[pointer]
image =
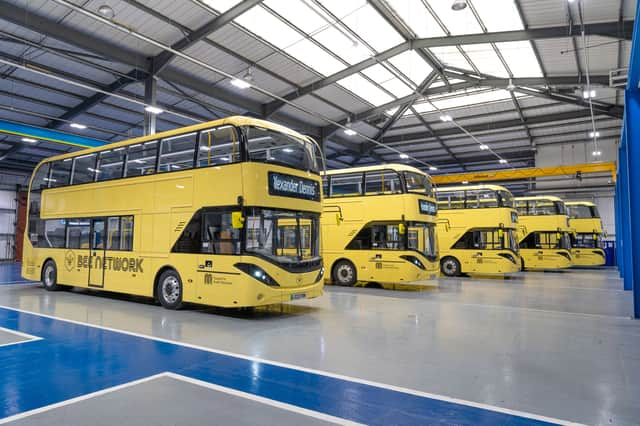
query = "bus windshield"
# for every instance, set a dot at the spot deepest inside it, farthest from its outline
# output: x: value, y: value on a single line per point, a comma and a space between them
x: 284, y: 237
x: 269, y: 146
x: 418, y: 183
x: 422, y: 237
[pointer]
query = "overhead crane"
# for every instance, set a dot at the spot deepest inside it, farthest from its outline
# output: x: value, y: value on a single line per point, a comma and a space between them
x: 528, y: 172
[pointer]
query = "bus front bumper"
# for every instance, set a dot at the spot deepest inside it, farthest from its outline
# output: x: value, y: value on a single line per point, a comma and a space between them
x: 588, y: 257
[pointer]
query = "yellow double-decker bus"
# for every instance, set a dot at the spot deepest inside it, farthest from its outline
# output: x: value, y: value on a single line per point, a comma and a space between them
x: 586, y: 234
x: 224, y: 213
x: 477, y: 228
x: 378, y: 225
x: 543, y: 234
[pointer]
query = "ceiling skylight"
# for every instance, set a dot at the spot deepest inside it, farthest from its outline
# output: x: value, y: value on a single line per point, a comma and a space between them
x: 499, y: 15
x: 521, y: 58
x: 412, y: 65
x: 417, y: 17
x: 485, y: 59
x: 362, y: 19
x: 365, y: 89
x: 470, y: 97
x: 221, y: 5
x: 267, y: 26
x: 457, y: 22
x: 450, y: 55
x: 386, y: 79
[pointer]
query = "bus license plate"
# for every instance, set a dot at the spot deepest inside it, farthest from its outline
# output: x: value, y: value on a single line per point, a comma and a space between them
x: 298, y: 296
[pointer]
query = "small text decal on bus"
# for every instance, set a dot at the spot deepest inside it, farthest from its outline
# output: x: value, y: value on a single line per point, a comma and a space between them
x: 293, y: 186
x: 427, y: 207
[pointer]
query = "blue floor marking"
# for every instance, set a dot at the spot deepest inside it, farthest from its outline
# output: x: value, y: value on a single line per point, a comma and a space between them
x: 73, y: 360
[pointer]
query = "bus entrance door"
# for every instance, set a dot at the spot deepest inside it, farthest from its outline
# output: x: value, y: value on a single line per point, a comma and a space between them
x: 97, y: 253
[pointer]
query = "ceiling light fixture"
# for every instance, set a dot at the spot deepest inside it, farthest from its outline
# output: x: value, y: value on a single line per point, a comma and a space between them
x: 77, y: 126
x: 404, y: 156
x: 594, y: 134
x: 503, y: 161
x: 106, y: 11
x: 484, y: 147
x: 433, y: 168
x: 511, y: 87
x: 464, y: 182
x: 30, y: 140
x: 459, y: 5
x: 349, y: 131
x: 588, y: 94
x: 446, y: 118
x: 596, y: 153
x: 153, y: 109
x: 240, y: 84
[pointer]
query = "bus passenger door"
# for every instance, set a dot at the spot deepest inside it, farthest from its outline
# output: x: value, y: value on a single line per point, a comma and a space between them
x: 97, y: 253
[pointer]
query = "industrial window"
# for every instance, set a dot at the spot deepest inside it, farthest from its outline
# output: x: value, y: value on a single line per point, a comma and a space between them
x: 141, y: 159
x: 78, y: 233
x: 84, y: 169
x: 218, y: 147
x: 110, y: 164
x: 54, y: 233
x: 60, y: 173
x: 382, y: 182
x: 346, y: 185
x: 177, y: 153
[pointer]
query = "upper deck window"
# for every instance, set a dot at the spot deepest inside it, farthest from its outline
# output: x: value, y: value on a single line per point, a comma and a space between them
x: 60, y: 173
x: 583, y: 212
x: 84, y: 169
x: 268, y: 146
x: 540, y: 207
x: 418, y: 183
x: 218, y: 147
x: 141, y: 159
x: 347, y: 185
x: 382, y: 182
x: 110, y: 164
x: 177, y: 153
x: 474, y: 199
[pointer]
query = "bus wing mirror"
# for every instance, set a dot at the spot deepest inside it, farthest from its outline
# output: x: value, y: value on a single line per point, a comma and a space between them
x: 401, y: 228
x: 237, y: 220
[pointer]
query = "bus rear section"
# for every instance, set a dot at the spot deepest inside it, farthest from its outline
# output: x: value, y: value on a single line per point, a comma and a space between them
x: 544, y: 233
x: 377, y: 231
x: 587, y: 234
x: 477, y: 228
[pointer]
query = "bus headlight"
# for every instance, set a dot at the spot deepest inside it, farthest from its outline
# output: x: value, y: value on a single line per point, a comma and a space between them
x: 414, y: 260
x: 258, y: 273
x: 320, y: 275
x: 508, y: 257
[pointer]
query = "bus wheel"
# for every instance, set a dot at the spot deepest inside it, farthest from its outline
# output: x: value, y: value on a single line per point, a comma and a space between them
x: 169, y: 290
x: 521, y: 264
x: 50, y: 276
x: 344, y: 273
x: 450, y: 266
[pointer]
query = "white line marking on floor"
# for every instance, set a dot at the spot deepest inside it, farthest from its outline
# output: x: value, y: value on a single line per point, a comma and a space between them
x: 29, y: 337
x: 8, y: 283
x: 312, y: 371
x: 77, y: 399
x: 266, y: 401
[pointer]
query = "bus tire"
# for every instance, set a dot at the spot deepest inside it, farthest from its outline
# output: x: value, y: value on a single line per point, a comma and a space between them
x: 50, y: 276
x: 450, y: 266
x: 344, y: 273
x: 169, y: 290
x: 521, y: 264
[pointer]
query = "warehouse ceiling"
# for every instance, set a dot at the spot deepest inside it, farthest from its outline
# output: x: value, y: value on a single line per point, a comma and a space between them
x: 415, y: 81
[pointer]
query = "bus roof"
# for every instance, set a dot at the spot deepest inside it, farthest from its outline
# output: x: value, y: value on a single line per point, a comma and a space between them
x: 236, y: 120
x: 396, y: 167
x: 580, y: 203
x: 465, y: 187
x: 540, y: 197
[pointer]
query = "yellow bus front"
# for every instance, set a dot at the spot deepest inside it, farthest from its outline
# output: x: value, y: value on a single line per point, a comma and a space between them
x: 587, y: 234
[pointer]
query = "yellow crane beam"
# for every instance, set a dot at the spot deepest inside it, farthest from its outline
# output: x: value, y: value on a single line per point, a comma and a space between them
x: 526, y: 173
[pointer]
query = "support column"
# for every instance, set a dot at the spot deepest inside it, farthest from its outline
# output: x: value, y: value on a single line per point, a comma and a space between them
x: 150, y: 97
